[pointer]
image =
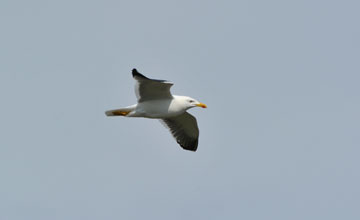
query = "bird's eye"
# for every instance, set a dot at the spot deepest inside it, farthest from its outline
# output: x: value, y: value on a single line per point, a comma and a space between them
x: 191, y: 101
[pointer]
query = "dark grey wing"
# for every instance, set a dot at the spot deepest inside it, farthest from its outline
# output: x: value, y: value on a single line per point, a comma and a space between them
x: 185, y: 130
x: 150, y: 89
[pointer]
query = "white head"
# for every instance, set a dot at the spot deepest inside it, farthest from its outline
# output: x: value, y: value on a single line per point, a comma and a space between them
x: 189, y: 102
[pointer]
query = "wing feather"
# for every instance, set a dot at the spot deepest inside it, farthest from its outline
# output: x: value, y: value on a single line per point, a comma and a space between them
x: 150, y: 89
x: 184, y: 129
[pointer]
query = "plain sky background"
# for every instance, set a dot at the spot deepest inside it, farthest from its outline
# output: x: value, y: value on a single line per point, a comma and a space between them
x: 279, y: 140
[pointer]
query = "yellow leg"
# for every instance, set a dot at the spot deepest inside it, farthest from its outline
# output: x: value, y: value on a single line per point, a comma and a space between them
x: 121, y: 113
x: 117, y: 113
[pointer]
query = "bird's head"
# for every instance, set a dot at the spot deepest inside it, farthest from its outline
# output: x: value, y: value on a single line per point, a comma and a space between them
x: 190, y: 103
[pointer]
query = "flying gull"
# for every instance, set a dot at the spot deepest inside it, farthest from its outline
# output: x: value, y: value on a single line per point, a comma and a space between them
x: 156, y: 101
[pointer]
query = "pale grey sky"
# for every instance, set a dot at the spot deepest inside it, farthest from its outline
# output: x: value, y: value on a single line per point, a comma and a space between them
x: 279, y: 140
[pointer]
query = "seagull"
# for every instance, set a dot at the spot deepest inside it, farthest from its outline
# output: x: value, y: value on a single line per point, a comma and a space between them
x: 155, y: 101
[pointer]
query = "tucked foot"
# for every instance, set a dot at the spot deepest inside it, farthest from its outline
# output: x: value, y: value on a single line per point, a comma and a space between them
x: 117, y: 113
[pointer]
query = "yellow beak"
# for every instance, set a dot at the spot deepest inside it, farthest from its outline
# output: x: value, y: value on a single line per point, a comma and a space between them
x: 202, y: 105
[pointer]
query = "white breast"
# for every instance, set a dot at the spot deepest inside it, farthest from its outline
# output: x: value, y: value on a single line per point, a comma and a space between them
x: 163, y: 108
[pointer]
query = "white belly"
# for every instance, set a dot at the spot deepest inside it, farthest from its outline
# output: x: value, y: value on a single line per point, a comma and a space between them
x: 158, y: 109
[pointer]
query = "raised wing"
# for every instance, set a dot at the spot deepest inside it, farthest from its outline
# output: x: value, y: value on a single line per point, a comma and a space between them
x: 150, y: 89
x: 184, y: 129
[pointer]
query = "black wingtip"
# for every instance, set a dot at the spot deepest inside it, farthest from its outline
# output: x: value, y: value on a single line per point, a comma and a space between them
x: 190, y: 146
x: 135, y: 72
x: 138, y: 75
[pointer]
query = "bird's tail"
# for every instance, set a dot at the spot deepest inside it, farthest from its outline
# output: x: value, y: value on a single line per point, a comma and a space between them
x: 120, y: 112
